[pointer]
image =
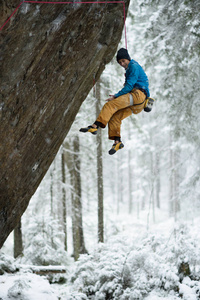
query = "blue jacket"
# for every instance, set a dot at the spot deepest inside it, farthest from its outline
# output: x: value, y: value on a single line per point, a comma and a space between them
x: 135, y: 78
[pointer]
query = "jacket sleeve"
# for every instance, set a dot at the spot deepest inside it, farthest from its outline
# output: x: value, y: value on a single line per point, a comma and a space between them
x: 131, y: 79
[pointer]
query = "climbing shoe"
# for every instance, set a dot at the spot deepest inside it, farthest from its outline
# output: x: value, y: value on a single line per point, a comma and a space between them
x: 148, y: 104
x: 115, y: 148
x: 89, y: 129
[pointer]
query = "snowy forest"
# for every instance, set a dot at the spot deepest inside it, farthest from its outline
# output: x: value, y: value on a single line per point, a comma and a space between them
x: 125, y: 226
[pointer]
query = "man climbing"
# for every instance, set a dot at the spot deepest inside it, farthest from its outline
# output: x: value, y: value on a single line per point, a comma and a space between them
x: 132, y: 98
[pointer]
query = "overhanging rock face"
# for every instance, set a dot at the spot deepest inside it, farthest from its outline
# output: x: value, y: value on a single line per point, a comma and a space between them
x: 49, y: 55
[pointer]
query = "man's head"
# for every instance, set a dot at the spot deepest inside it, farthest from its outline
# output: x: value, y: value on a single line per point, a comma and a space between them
x: 123, y: 58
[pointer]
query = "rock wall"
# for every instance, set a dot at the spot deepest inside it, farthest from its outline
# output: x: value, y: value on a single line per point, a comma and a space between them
x: 49, y: 55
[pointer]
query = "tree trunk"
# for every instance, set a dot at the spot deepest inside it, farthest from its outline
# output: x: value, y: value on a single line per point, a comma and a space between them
x: 52, y: 174
x: 171, y: 196
x: 119, y: 181
x: 72, y: 160
x: 51, y: 190
x: 157, y: 170
x: 64, y: 207
x: 130, y: 175
x: 18, y: 244
x: 176, y: 183
x: 78, y: 238
x: 99, y: 171
x: 49, y: 53
x: 152, y: 178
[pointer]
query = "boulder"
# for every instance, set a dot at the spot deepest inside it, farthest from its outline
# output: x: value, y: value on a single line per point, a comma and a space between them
x: 50, y: 54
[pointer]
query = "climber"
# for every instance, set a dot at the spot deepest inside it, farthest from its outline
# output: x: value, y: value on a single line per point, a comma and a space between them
x: 132, y: 98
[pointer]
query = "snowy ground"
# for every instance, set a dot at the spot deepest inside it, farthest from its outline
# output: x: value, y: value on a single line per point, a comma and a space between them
x: 28, y: 286
x: 25, y: 286
x: 143, y: 263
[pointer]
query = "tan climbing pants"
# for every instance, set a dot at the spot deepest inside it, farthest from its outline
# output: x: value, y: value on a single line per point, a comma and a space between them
x: 114, y: 111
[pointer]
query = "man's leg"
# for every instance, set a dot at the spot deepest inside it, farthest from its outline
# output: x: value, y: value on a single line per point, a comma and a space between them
x: 114, y: 125
x: 106, y: 113
x: 135, y: 100
x: 110, y: 108
x: 138, y: 101
x: 114, y: 129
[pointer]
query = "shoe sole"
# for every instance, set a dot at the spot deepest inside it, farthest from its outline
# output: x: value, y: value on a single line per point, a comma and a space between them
x: 112, y: 151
